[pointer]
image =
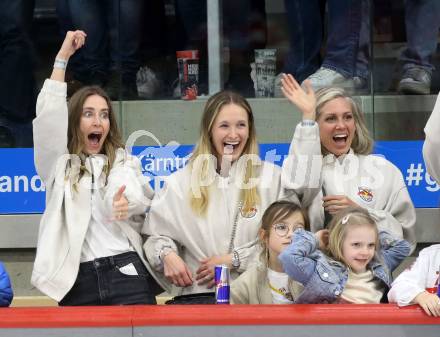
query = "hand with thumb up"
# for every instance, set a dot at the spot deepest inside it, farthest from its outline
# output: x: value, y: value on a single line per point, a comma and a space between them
x: 120, y: 204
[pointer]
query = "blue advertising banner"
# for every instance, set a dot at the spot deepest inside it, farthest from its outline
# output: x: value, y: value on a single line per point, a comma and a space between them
x: 22, y: 191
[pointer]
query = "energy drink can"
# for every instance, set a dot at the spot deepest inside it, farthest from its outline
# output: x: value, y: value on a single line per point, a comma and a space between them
x: 222, y: 287
x: 188, y: 69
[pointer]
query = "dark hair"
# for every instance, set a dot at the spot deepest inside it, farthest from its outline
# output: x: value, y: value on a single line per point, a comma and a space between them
x: 278, y: 211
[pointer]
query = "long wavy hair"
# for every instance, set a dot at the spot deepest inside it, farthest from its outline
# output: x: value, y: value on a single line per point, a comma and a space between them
x: 205, y: 147
x: 362, y: 141
x: 75, y: 143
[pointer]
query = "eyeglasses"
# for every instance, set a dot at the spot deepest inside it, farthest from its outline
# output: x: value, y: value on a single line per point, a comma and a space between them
x: 282, y: 229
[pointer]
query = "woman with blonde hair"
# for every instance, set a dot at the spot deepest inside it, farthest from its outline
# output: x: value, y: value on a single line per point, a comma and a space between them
x: 350, y: 174
x: 89, y: 249
x: 209, y: 212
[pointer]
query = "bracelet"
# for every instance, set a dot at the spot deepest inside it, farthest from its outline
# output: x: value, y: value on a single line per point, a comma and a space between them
x: 307, y: 122
x: 164, y: 251
x: 235, y: 260
x: 60, y: 64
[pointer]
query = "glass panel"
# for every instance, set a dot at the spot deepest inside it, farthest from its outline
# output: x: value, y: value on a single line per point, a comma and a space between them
x: 131, y: 52
x: 405, y: 53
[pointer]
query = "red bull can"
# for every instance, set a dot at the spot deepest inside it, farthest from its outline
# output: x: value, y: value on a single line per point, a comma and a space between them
x: 188, y: 70
x: 222, y: 287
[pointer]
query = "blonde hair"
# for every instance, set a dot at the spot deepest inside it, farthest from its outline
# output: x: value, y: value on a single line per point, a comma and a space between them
x: 75, y: 143
x: 362, y: 141
x: 340, y: 224
x: 278, y: 211
x: 215, y: 103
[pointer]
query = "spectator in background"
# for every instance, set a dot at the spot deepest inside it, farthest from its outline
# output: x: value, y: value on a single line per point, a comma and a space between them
x: 422, y: 19
x: 17, y: 91
x: 345, y: 63
x: 419, y: 283
x: 111, y: 56
x: 6, y: 293
x: 244, y: 27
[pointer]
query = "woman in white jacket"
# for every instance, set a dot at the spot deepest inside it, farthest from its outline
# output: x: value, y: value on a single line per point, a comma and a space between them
x: 208, y: 213
x: 350, y: 175
x: 89, y: 246
x: 419, y: 284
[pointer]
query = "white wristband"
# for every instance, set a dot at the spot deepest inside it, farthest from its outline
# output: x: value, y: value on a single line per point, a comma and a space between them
x: 60, y: 64
x: 307, y: 122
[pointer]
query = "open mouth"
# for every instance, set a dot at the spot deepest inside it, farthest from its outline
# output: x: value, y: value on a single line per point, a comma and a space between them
x: 340, y: 139
x: 229, y: 147
x: 94, y: 138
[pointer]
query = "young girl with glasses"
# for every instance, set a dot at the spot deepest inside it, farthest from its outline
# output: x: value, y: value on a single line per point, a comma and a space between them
x: 266, y: 282
x: 356, y: 266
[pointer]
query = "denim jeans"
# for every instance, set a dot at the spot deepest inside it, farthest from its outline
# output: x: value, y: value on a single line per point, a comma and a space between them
x: 346, y: 21
x: 17, y: 90
x: 76, y: 62
x: 101, y: 282
x: 422, y: 20
x: 113, y: 29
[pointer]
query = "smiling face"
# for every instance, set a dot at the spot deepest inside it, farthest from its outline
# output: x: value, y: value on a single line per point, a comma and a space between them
x: 94, y: 124
x: 230, y: 132
x: 358, y: 247
x: 336, y: 126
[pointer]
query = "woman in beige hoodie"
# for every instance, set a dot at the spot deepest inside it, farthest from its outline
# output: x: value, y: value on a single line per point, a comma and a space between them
x: 89, y: 246
x: 209, y: 212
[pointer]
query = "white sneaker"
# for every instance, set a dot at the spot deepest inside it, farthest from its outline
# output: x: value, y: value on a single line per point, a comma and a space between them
x: 325, y: 77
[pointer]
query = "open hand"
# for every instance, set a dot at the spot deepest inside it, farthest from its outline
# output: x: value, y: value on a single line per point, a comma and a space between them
x: 304, y: 99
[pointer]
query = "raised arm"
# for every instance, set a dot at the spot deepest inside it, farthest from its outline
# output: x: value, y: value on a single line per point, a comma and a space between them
x: 72, y: 42
x: 393, y: 250
x: 299, y: 258
x: 302, y: 168
x: 50, y: 125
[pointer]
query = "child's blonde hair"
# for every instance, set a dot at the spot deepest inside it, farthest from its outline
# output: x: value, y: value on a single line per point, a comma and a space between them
x: 277, y: 212
x: 340, y: 224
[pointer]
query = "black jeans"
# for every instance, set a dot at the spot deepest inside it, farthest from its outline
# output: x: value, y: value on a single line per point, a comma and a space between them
x: 100, y: 282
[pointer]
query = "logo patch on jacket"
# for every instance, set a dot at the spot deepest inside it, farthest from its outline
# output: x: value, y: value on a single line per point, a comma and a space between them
x: 365, y: 194
x: 248, y: 213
